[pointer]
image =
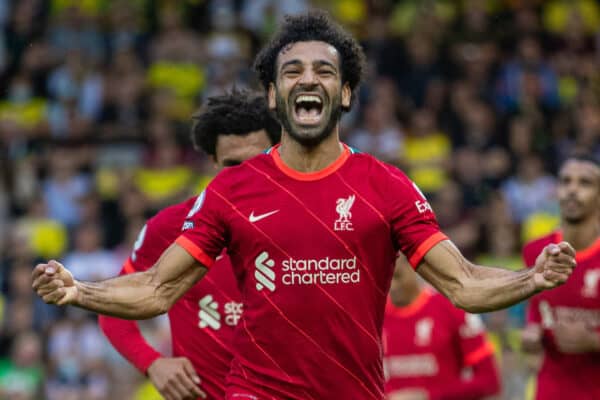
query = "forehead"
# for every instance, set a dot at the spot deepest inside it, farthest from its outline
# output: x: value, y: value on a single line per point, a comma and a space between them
x: 308, y: 52
x: 230, y: 146
x: 580, y: 168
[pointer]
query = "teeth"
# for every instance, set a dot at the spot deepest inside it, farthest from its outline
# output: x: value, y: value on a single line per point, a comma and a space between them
x: 308, y: 98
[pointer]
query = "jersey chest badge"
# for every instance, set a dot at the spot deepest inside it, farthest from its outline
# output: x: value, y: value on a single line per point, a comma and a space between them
x: 343, y: 208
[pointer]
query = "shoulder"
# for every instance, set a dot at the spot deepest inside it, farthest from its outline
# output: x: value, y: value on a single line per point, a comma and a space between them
x: 173, y: 216
x: 375, y: 168
x: 231, y: 177
x: 164, y: 227
x: 533, y: 248
x: 158, y: 233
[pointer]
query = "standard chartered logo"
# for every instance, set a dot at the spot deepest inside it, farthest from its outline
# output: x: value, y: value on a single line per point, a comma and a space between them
x: 209, y: 316
x: 323, y: 271
x: 264, y: 274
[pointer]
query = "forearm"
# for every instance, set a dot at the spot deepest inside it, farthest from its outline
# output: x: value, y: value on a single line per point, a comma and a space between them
x: 471, y: 287
x: 485, y: 382
x: 131, y: 296
x: 145, y: 294
x: 127, y: 339
x: 488, y: 289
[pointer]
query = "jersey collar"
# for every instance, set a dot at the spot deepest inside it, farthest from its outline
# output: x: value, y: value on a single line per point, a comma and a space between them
x: 309, y: 176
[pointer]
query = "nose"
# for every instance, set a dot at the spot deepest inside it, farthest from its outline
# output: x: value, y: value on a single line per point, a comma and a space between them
x: 309, y: 77
x: 572, y: 187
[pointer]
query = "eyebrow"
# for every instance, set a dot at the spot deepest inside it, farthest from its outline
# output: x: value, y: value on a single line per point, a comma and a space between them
x: 317, y: 63
x: 320, y: 63
x: 290, y: 62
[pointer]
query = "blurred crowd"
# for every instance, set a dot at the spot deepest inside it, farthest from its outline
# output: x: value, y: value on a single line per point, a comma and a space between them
x: 477, y: 100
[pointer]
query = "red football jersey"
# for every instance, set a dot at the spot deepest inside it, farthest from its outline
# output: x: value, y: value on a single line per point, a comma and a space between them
x: 203, y: 320
x: 314, y: 255
x: 429, y: 343
x: 567, y: 375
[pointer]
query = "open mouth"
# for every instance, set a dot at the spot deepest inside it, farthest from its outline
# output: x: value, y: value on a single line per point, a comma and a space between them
x: 572, y: 203
x: 308, y: 109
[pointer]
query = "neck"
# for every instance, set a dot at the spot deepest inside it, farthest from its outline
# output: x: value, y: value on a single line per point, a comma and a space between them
x: 581, y: 235
x: 408, y: 296
x: 310, y: 159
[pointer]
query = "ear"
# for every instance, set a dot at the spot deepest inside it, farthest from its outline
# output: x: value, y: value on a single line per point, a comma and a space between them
x: 346, y: 95
x: 271, y: 96
x: 213, y: 158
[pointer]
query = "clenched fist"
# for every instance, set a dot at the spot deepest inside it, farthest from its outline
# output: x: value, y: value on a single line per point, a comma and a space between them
x: 554, y: 265
x: 54, y: 283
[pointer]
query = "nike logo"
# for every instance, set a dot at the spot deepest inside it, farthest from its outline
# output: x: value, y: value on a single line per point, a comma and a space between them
x: 254, y: 218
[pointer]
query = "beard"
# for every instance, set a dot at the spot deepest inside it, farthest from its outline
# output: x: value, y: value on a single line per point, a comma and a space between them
x: 574, y: 215
x: 313, y: 136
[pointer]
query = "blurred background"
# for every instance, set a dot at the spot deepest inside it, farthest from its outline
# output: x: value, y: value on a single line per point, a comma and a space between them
x: 478, y: 101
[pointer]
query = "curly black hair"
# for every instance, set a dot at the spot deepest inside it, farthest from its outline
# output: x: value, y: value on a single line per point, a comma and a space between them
x: 317, y: 26
x: 237, y: 112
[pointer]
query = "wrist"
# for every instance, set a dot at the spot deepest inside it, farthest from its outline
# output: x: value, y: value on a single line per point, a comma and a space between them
x: 536, y: 281
x: 77, y: 299
x: 148, y: 363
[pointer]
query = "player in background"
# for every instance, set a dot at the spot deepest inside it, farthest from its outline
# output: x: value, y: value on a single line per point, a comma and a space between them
x: 564, y: 324
x: 433, y: 350
x: 230, y: 129
x: 312, y: 228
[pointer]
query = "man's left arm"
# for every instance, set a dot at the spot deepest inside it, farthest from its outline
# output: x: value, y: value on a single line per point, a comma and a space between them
x: 478, y: 289
x: 471, y: 287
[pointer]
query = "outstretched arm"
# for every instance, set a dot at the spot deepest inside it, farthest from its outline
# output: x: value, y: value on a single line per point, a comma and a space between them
x: 479, y: 289
x: 134, y: 296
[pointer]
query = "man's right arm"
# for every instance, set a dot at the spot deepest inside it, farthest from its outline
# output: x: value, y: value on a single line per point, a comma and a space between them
x: 139, y: 295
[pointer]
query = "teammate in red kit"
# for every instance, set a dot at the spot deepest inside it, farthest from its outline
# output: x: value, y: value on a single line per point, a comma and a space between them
x: 430, y: 345
x: 564, y: 323
x: 230, y: 129
x: 312, y: 229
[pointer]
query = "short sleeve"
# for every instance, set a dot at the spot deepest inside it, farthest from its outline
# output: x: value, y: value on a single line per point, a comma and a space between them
x: 204, y: 233
x: 473, y: 344
x: 413, y: 223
